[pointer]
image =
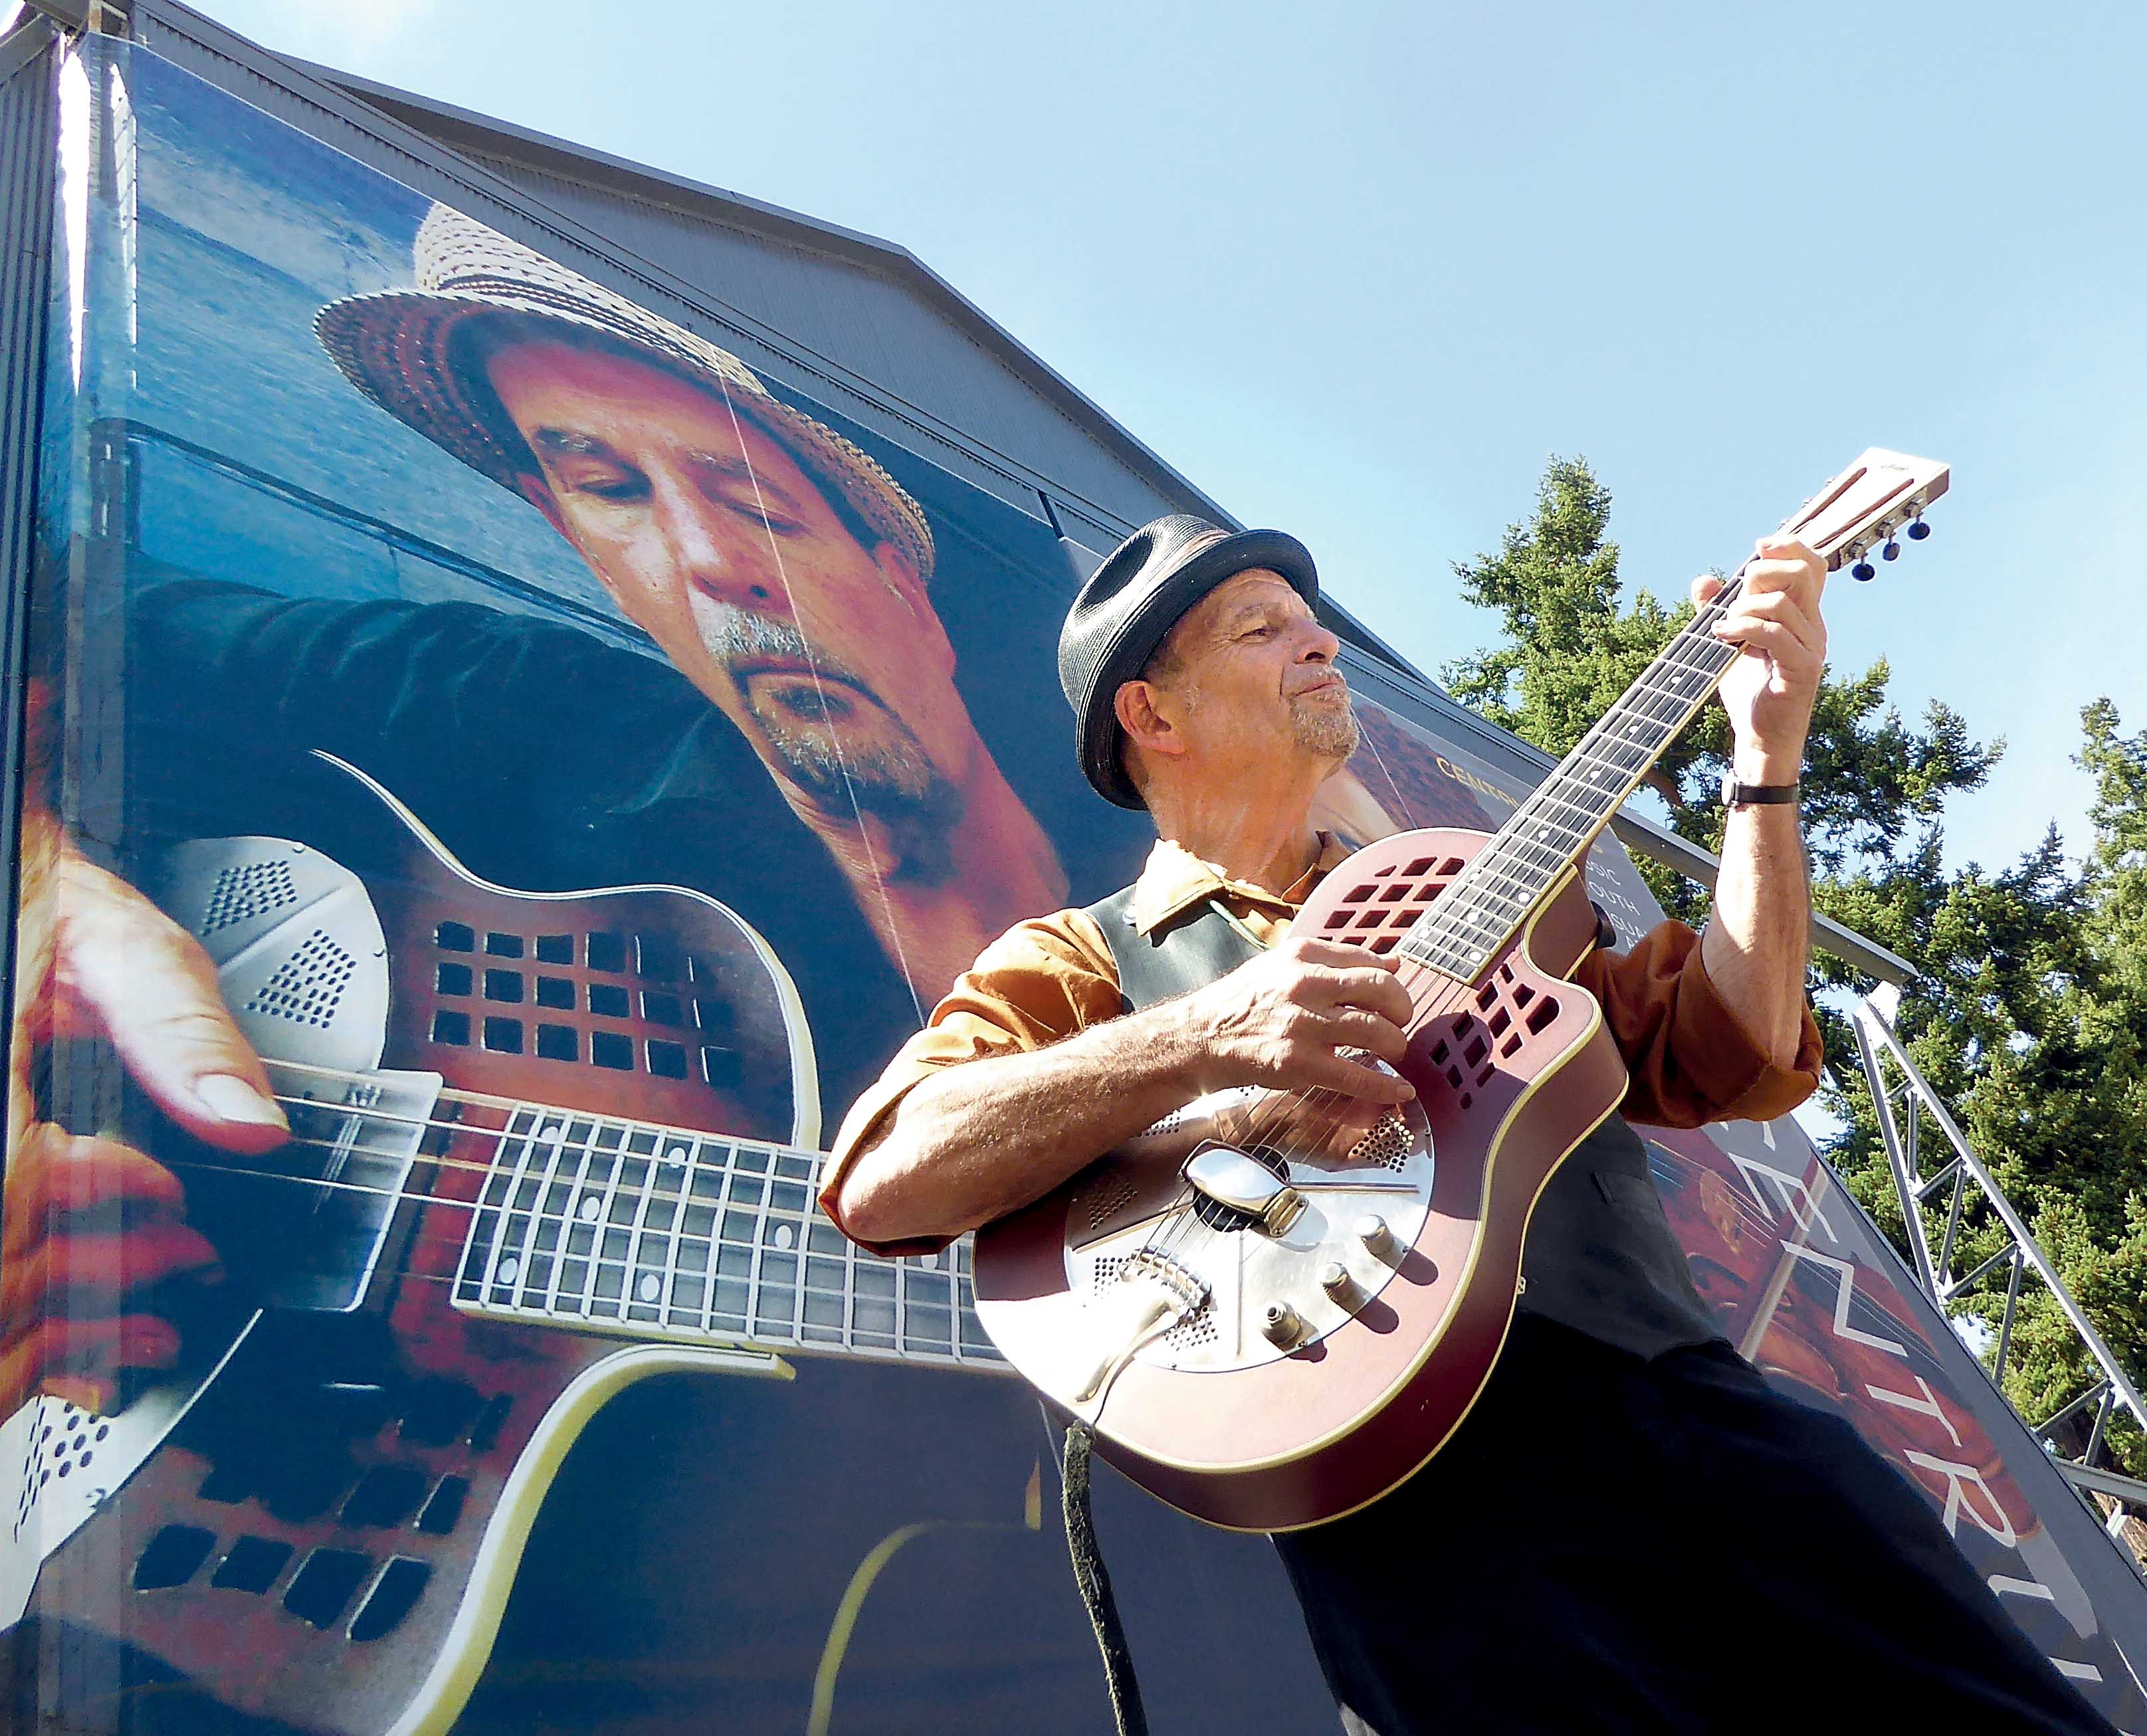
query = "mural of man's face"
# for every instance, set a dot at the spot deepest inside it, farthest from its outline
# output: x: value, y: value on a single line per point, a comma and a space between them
x: 717, y: 543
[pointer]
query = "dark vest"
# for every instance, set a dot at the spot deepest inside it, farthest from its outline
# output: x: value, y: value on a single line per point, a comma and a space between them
x: 1600, y: 1257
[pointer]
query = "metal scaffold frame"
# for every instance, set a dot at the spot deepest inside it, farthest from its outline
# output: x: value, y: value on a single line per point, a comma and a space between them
x: 1905, y: 1106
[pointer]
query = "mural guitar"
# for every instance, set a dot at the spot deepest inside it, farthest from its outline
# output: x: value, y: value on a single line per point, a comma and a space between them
x: 428, y: 1286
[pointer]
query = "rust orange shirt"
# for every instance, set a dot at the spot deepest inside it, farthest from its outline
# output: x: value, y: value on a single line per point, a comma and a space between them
x: 1691, y: 1060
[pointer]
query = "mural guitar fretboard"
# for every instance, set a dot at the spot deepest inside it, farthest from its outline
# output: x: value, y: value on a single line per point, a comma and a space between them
x: 618, y: 1227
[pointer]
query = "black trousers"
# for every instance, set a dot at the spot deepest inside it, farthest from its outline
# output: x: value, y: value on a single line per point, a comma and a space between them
x: 1610, y: 1544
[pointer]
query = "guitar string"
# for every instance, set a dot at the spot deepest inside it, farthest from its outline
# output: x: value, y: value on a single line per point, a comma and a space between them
x: 1492, y: 864
x: 1167, y: 1240
x: 666, y: 1307
x: 755, y: 1324
x: 1170, y: 1237
x: 806, y: 1216
x: 1559, y: 789
x: 459, y: 1245
x: 539, y: 1112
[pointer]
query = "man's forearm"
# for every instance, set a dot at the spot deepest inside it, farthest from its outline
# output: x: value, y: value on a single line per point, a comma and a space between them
x: 982, y: 1139
x: 1758, y: 939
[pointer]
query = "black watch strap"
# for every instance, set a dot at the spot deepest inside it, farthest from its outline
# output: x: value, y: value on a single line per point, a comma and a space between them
x: 1742, y: 795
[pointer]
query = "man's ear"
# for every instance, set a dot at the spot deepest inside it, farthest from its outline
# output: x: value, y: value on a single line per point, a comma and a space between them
x: 1147, y: 725
x: 898, y: 572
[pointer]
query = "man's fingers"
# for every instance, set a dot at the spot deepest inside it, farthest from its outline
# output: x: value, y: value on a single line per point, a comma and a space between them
x: 1333, y: 955
x: 80, y: 1360
x: 152, y: 989
x: 1360, y: 1079
x: 52, y: 1174
x: 67, y: 1273
x: 1775, y: 605
x: 1777, y: 638
x: 1703, y: 589
x: 1352, y: 1028
x: 1374, y: 991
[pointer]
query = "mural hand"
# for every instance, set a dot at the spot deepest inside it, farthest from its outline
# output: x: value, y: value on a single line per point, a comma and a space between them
x: 123, y: 970
x: 91, y: 1229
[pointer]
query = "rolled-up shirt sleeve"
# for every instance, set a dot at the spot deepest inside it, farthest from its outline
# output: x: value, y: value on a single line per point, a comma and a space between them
x: 1691, y: 1058
x: 1042, y: 980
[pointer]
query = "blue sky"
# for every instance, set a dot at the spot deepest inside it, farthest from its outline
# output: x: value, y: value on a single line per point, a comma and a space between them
x: 1358, y: 271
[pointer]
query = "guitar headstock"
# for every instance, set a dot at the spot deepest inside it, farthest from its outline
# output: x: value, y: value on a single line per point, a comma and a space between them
x: 1865, y: 508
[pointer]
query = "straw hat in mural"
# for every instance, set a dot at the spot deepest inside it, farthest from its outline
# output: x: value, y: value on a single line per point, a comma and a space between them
x: 397, y: 348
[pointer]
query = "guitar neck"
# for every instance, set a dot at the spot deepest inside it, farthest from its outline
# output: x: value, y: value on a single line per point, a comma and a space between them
x: 1862, y: 508
x: 1551, y: 831
x: 600, y: 1224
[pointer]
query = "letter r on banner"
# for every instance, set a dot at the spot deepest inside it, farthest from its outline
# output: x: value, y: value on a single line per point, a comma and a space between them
x: 1958, y: 1478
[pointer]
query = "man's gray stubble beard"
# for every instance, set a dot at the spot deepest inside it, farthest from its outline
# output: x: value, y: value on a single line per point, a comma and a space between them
x: 1328, y: 733
x: 894, y: 781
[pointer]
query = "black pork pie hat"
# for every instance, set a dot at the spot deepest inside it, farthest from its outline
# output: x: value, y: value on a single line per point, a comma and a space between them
x: 1128, y: 606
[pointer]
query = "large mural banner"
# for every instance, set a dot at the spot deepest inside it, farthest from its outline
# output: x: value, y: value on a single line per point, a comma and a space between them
x: 504, y: 776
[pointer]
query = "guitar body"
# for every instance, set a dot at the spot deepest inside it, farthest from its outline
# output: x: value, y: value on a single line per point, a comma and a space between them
x: 1512, y: 1072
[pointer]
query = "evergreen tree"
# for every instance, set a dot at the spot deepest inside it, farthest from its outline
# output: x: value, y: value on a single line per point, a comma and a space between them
x: 2028, y: 1010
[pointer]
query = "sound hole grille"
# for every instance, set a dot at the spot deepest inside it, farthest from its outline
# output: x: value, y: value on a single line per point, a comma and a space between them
x: 243, y: 892
x: 1387, y: 1144
x: 603, y: 1015
x: 63, y: 1441
x: 307, y: 987
x: 1197, y: 1328
x: 1110, y: 1200
x: 1378, y: 912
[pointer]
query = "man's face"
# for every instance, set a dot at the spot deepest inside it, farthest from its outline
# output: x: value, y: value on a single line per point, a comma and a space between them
x: 1250, y: 676
x: 714, y: 542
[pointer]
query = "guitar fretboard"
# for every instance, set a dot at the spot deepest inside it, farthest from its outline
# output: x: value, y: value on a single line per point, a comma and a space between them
x: 1468, y: 926
x: 614, y: 1226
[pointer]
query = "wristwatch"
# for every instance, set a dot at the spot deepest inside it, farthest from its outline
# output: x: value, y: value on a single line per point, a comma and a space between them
x: 1746, y: 795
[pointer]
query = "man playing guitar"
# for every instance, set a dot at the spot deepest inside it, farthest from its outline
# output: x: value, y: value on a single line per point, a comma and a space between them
x: 1580, y: 1556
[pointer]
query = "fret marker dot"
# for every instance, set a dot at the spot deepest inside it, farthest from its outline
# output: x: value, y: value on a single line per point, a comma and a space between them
x: 784, y: 1235
x: 588, y: 1205
x: 650, y: 1286
x: 509, y: 1269
x: 929, y: 1262
x: 677, y: 1154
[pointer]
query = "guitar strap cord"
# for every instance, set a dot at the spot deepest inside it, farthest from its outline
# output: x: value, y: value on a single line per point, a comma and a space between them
x: 1095, y: 1582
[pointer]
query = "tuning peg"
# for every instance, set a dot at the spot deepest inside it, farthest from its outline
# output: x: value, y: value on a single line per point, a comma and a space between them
x: 1891, y: 551
x: 1919, y: 531
x: 1864, y: 571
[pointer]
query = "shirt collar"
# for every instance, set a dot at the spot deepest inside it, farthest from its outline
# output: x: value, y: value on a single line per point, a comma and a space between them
x: 1174, y: 879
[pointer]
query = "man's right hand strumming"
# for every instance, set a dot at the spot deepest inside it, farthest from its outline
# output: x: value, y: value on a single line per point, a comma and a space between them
x: 976, y: 1141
